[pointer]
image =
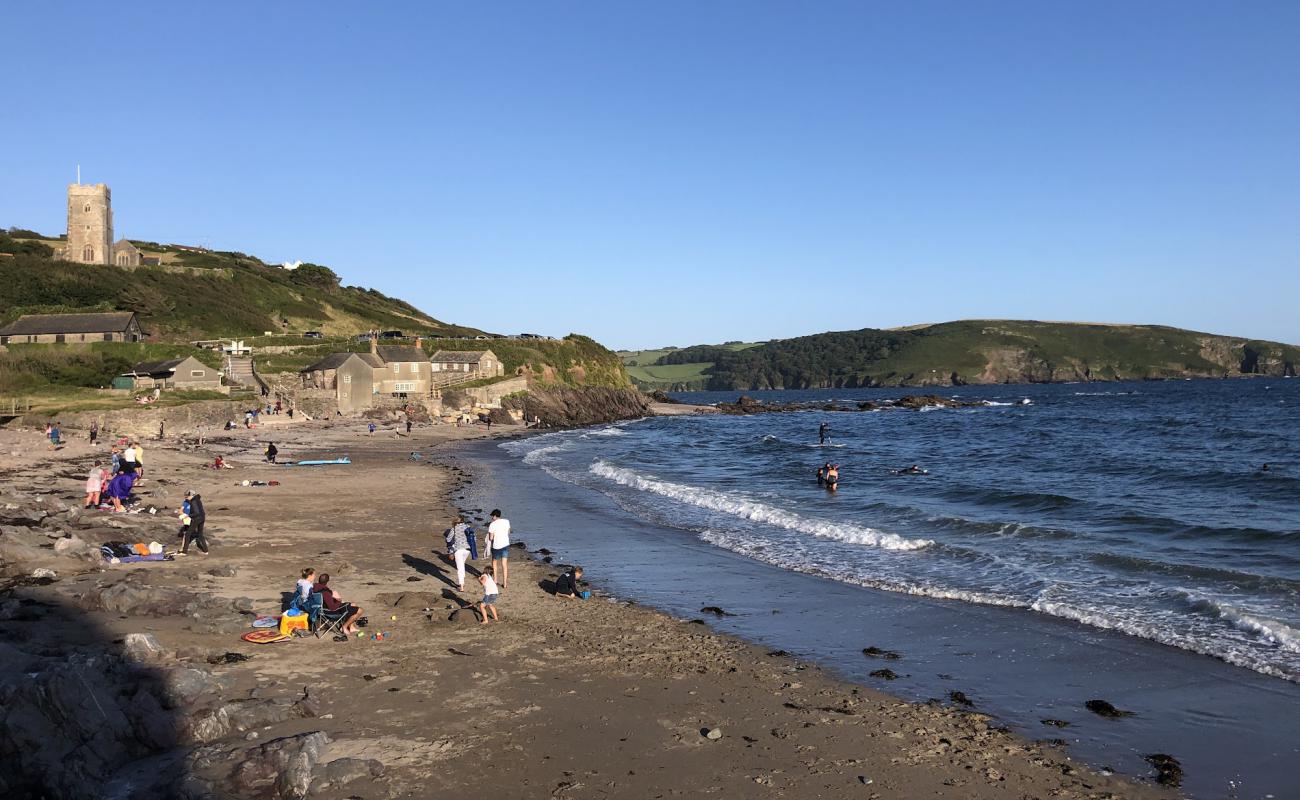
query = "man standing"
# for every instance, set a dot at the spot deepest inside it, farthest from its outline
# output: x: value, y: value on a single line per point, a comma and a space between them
x: 194, y: 532
x: 499, y: 541
x: 821, y: 432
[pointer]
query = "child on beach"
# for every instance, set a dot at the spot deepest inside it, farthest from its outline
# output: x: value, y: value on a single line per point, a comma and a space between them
x: 490, y: 595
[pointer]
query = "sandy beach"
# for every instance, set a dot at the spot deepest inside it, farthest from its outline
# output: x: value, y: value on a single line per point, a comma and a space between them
x: 579, y: 699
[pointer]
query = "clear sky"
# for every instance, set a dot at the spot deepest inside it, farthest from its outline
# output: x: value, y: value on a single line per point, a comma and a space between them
x: 684, y: 172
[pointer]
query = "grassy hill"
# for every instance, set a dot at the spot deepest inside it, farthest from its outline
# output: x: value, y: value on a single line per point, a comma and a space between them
x: 663, y: 368
x: 197, y: 294
x: 202, y: 294
x: 968, y: 352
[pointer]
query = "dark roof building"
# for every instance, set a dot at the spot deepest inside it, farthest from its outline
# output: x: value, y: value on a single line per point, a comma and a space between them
x: 116, y: 326
x: 459, y: 356
x: 401, y: 353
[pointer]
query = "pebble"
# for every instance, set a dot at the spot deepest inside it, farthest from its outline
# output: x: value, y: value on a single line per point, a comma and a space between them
x: 714, y: 734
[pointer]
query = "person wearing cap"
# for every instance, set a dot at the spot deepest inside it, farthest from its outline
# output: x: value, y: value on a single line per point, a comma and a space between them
x: 194, y: 531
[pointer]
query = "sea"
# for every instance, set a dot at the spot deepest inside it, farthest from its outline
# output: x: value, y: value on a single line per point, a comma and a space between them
x: 1137, y: 543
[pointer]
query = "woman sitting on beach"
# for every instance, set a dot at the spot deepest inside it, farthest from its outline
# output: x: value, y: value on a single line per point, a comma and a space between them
x: 303, y: 588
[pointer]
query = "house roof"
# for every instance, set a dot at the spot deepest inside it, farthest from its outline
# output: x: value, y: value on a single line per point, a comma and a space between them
x: 336, y: 360
x: 331, y: 361
x: 459, y: 356
x: 35, y: 324
x: 156, y: 367
x: 401, y: 353
x: 123, y: 244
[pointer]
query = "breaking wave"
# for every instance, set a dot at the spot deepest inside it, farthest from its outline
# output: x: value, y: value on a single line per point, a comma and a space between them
x: 755, y: 511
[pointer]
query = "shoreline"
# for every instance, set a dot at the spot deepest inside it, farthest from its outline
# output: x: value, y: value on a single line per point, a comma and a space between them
x: 594, y: 699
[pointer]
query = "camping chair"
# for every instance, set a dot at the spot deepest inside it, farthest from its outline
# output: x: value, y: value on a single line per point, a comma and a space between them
x: 320, y: 619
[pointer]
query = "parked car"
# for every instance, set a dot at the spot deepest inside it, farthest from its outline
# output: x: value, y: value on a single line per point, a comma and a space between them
x: 392, y: 335
x: 313, y: 335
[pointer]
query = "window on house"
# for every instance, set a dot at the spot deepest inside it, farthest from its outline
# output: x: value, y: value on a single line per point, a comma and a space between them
x: 83, y: 337
x: 60, y: 338
x: 88, y: 253
x: 4, y: 340
x: 415, y: 368
x: 347, y: 379
x: 108, y: 337
x: 405, y: 386
x: 197, y: 373
x: 437, y: 368
x: 397, y: 368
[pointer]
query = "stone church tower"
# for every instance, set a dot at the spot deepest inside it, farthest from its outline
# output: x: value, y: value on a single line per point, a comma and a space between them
x: 90, y: 224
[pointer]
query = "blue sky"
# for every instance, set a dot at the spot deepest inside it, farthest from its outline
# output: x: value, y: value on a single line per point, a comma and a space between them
x: 683, y: 172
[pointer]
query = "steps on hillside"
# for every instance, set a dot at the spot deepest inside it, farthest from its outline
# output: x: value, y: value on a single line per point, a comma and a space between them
x: 239, y: 369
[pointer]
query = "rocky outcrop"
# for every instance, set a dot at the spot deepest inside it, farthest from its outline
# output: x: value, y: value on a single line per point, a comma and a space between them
x: 912, y: 402
x: 566, y: 407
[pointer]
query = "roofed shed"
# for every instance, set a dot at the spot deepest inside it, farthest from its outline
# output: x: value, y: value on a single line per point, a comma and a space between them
x: 115, y: 326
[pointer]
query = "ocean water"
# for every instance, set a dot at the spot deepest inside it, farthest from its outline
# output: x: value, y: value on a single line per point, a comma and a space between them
x: 1068, y: 541
x: 1141, y: 508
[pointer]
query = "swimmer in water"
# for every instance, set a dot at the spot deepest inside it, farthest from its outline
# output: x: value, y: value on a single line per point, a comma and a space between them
x: 832, y: 477
x: 821, y: 473
x: 912, y: 470
x: 821, y: 432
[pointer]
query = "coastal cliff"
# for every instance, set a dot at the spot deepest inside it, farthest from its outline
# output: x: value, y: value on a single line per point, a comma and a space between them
x: 570, y: 407
x: 968, y: 352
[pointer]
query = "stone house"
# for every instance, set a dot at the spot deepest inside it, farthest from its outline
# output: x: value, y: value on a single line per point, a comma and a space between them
x: 385, y: 375
x: 126, y: 254
x: 118, y: 326
x: 482, y: 363
x: 175, y: 373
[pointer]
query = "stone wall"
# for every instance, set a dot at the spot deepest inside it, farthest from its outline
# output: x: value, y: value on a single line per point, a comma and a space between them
x: 490, y: 396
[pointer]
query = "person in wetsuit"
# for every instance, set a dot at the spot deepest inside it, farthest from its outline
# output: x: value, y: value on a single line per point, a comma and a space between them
x: 821, y: 432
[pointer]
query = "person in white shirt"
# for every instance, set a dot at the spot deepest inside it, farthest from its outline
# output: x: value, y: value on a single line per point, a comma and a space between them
x: 499, y: 541
x: 302, y: 590
x: 490, y: 594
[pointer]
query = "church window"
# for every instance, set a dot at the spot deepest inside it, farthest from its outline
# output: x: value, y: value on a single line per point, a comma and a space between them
x: 88, y: 253
x: 87, y: 207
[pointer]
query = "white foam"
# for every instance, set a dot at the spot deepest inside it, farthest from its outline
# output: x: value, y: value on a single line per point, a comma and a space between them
x: 534, y: 457
x: 610, y: 431
x: 756, y: 511
x: 1272, y: 631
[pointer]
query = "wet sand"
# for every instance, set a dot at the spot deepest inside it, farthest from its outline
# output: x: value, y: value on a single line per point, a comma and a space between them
x: 596, y: 698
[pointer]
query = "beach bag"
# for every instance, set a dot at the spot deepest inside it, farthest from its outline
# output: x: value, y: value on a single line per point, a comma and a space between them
x: 155, y: 548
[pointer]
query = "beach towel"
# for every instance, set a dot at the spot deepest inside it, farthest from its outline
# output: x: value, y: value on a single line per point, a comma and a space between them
x: 266, y: 622
x: 265, y: 636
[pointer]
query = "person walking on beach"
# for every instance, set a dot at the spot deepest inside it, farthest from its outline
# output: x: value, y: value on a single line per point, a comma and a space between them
x: 408, y: 425
x: 499, y: 541
x: 194, y: 531
x: 94, y: 432
x: 490, y: 596
x: 128, y: 459
x: 460, y: 544
x: 371, y: 426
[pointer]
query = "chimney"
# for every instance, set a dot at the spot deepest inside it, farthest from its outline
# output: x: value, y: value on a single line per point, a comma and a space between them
x: 374, y: 344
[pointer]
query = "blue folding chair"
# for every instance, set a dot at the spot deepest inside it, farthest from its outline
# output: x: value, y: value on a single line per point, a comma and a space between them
x: 321, y: 620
